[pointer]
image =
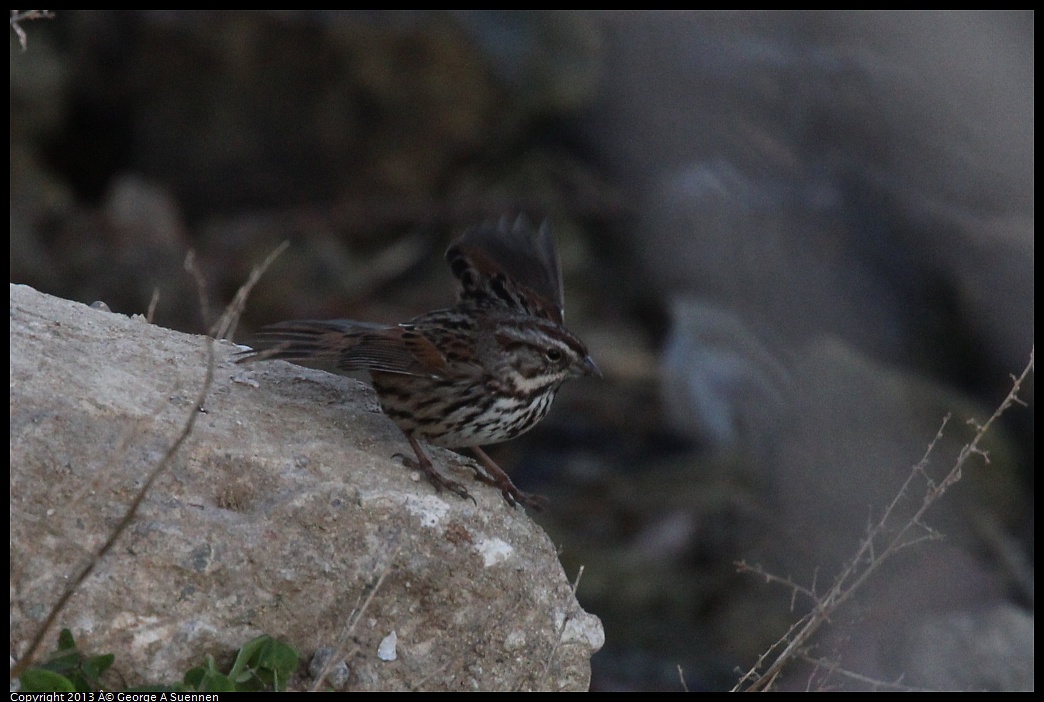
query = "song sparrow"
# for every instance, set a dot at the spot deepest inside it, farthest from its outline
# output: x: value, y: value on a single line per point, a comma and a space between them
x: 480, y: 372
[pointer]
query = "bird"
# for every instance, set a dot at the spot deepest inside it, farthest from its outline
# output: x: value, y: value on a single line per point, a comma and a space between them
x: 483, y: 371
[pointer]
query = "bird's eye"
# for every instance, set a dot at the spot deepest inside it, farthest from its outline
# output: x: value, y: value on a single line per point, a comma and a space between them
x: 553, y: 355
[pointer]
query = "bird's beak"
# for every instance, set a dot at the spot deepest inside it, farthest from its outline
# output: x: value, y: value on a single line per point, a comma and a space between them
x: 588, y: 367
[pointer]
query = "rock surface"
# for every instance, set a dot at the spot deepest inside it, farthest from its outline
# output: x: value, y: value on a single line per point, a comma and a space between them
x: 278, y: 515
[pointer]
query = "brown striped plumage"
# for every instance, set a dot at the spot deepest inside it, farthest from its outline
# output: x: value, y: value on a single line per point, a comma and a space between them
x: 481, y: 372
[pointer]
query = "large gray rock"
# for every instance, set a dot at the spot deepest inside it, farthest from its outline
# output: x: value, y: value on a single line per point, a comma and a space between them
x: 278, y: 514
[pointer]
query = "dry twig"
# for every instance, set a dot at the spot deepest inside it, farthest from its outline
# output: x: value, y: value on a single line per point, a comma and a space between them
x: 867, y: 560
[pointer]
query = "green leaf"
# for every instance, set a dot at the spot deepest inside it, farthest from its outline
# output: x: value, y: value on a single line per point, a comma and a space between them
x: 279, y: 657
x: 246, y: 655
x: 65, y: 640
x: 63, y: 662
x: 194, y: 677
x: 95, y: 666
x: 40, y: 680
x: 216, y: 682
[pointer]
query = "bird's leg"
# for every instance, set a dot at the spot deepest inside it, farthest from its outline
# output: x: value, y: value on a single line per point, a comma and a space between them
x: 496, y: 477
x: 435, y: 477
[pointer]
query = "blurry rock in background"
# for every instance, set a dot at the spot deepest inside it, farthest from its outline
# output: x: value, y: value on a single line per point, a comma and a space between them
x: 840, y: 207
x: 722, y: 386
x: 345, y: 132
x: 794, y: 242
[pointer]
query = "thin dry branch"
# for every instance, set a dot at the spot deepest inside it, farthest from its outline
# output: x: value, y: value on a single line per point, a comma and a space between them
x: 132, y: 510
x: 832, y: 667
x: 561, y: 630
x: 225, y: 327
x: 866, y: 560
x: 77, y: 580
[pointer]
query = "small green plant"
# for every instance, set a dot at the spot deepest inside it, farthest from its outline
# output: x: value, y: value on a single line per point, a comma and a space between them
x: 67, y: 669
x: 263, y: 663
